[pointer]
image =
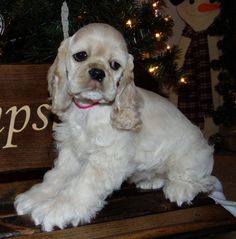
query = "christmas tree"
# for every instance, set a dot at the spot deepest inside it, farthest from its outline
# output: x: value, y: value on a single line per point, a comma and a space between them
x: 33, y: 30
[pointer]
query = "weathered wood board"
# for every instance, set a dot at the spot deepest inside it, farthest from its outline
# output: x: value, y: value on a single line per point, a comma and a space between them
x: 25, y: 120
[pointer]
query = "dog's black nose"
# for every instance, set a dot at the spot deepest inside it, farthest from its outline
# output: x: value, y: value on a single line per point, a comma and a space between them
x: 97, y: 74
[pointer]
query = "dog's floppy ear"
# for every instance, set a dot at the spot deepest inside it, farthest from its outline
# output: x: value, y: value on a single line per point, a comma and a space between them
x: 57, y: 81
x: 125, y: 114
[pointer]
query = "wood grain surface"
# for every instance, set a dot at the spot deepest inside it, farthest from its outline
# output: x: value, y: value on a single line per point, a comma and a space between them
x: 24, y: 86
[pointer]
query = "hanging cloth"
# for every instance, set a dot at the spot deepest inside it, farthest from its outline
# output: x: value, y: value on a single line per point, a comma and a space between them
x: 195, y: 97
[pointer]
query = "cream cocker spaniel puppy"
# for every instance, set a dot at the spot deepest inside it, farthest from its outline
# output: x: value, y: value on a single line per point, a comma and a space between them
x: 111, y: 131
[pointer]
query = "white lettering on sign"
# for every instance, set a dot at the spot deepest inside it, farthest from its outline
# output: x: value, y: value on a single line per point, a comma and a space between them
x: 42, y: 117
x: 25, y: 112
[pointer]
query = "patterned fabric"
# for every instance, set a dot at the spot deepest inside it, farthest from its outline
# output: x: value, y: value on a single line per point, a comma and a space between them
x: 195, y: 97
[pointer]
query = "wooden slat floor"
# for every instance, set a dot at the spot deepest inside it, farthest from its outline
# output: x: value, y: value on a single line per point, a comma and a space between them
x: 131, y: 213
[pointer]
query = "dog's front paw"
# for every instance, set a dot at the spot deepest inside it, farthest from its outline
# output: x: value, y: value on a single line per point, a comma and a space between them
x: 24, y: 203
x: 155, y: 183
x: 61, y: 212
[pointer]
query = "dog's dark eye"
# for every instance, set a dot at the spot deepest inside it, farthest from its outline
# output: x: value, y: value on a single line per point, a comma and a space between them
x: 80, y: 56
x: 115, y: 65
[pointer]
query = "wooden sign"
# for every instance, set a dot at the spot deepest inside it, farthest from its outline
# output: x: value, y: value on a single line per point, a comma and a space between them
x: 25, y: 119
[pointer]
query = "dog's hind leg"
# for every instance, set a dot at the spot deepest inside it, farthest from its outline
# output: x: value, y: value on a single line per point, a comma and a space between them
x: 181, y: 191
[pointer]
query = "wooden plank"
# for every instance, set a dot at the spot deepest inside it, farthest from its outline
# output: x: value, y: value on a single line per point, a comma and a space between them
x: 225, y: 170
x: 24, y: 83
x: 12, y: 183
x: 125, y: 203
x: 25, y: 118
x: 192, y: 220
x: 22, y: 175
x: 8, y: 192
x: 12, y: 230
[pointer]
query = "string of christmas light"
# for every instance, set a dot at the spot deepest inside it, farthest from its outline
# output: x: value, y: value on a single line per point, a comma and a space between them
x: 129, y: 23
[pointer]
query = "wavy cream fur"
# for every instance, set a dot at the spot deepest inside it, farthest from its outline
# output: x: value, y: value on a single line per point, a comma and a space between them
x: 132, y: 134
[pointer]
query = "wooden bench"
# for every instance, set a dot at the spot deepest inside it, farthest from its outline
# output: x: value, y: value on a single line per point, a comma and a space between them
x: 26, y: 153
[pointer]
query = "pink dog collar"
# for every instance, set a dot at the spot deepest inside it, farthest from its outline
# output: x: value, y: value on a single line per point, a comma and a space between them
x: 84, y: 107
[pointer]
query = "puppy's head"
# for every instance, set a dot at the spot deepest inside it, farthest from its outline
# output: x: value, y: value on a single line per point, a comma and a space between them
x: 94, y: 66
